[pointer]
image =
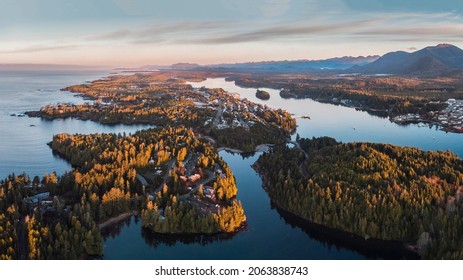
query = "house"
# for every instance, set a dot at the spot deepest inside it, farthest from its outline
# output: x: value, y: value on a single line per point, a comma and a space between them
x: 194, y: 177
x: 38, y: 198
x: 209, y: 193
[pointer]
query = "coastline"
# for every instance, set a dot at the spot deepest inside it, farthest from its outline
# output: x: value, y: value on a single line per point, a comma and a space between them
x: 372, y: 245
x: 333, y: 231
x: 442, y: 127
x: 242, y: 227
x: 229, y: 150
x: 114, y: 220
x: 257, y: 149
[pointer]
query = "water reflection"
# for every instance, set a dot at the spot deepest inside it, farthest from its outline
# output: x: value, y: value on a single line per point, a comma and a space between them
x: 371, y: 249
x: 114, y: 230
x: 155, y: 240
x: 272, y: 233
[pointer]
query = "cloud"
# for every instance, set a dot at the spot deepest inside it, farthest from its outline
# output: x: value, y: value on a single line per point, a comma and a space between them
x: 397, y: 27
x: 296, y: 30
x: 425, y: 6
x: 156, y: 31
x: 40, y: 48
x: 114, y: 35
x: 439, y: 30
x: 420, y: 26
x: 438, y: 26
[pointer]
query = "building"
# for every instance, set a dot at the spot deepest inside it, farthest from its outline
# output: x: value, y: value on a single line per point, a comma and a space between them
x: 209, y: 192
x: 195, y: 177
x: 38, y: 198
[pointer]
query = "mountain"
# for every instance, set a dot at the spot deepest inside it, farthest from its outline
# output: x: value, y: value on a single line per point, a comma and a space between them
x: 184, y: 66
x: 431, y: 61
x: 296, y: 66
x: 287, y: 66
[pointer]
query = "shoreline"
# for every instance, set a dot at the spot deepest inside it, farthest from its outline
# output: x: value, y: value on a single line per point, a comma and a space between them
x: 442, y: 127
x: 353, y: 240
x: 258, y: 149
x: 115, y: 220
x: 241, y: 228
x: 263, y: 147
x: 229, y: 150
x: 408, y: 247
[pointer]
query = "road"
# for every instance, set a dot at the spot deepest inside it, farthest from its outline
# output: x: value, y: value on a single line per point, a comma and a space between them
x: 302, y: 166
x: 210, y: 177
x: 142, y: 180
x: 170, y: 165
x: 215, y: 122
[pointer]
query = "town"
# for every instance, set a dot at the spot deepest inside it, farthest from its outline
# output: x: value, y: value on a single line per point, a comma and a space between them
x: 189, y: 180
x: 449, y: 119
x: 160, y: 101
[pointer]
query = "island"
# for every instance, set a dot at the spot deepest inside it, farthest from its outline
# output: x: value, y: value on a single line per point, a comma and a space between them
x: 263, y: 95
x: 375, y: 191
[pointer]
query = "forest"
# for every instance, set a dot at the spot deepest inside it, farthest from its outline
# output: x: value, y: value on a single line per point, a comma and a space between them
x: 376, y: 191
x: 66, y: 232
x: 108, y: 169
x: 261, y: 94
x: 103, y: 184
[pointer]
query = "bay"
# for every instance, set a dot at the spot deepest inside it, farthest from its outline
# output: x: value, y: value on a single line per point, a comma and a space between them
x: 271, y: 233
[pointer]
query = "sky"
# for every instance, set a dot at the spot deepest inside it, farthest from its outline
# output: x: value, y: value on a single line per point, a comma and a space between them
x: 132, y: 33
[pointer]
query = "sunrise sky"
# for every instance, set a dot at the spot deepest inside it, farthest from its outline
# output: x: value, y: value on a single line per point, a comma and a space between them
x: 141, y: 32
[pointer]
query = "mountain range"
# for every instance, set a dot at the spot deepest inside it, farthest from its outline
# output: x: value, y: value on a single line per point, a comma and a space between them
x: 440, y: 60
x: 338, y: 63
x: 437, y: 60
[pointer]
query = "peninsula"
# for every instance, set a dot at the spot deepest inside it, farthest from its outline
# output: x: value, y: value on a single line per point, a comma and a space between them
x: 164, y: 98
x: 377, y: 191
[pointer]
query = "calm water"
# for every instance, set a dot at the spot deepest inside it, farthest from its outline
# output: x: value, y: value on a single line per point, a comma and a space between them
x: 271, y: 234
x: 23, y: 140
x: 347, y: 124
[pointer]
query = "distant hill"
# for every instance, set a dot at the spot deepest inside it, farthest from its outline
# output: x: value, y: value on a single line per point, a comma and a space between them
x: 297, y: 66
x: 184, y: 66
x: 287, y: 66
x: 431, y: 61
x: 440, y: 60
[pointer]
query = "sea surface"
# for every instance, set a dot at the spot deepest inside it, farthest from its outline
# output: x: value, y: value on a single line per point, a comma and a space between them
x: 23, y: 140
x: 271, y: 233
